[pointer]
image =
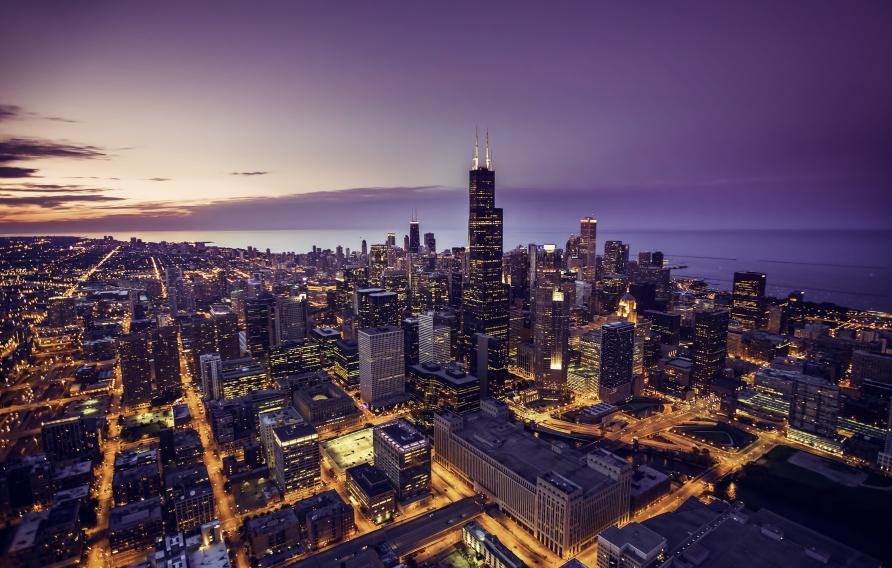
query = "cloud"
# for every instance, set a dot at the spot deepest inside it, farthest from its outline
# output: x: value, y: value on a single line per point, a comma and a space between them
x: 20, y: 149
x: 54, y: 201
x: 254, y: 173
x: 10, y: 172
x: 51, y: 188
x: 11, y: 112
x: 158, y: 179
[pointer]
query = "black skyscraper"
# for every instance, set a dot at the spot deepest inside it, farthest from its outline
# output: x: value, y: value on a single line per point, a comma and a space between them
x: 485, y: 308
x: 709, y: 349
x: 748, y: 300
x: 414, y: 237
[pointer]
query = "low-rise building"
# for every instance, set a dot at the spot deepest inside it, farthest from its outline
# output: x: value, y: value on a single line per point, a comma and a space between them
x: 135, y: 526
x: 372, y: 490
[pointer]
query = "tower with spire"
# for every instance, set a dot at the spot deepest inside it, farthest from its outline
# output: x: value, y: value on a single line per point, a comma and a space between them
x: 485, y: 298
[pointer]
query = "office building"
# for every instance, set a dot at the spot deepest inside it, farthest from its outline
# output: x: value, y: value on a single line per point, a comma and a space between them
x: 326, y: 407
x: 260, y: 324
x: 710, y: 347
x: 136, y: 369
x: 414, y: 237
x: 748, y: 300
x: 485, y: 301
x: 430, y: 243
x: 488, y: 362
x: 372, y: 490
x: 291, y: 318
x: 294, y: 357
x: 814, y: 412
x: 345, y: 363
x: 633, y: 546
x: 381, y: 364
x: 239, y: 377
x: 189, y: 497
x: 324, y: 519
x: 488, y: 548
x: 588, y: 249
x: 135, y: 526
x: 273, y: 533
x: 444, y: 387
x: 434, y: 339
x: 50, y: 537
x: 296, y: 457
x: 551, y: 325
x: 71, y: 436
x: 404, y: 455
x: 561, y: 496
x: 137, y: 475
x: 226, y: 331
x: 616, y: 257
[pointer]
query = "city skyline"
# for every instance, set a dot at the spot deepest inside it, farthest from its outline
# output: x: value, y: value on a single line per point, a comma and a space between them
x: 299, y: 336
x: 105, y: 125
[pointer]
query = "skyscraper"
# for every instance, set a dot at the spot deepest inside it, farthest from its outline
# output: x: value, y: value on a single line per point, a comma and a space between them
x: 291, y: 320
x: 616, y: 257
x: 485, y: 305
x: 748, y: 300
x: 430, y: 243
x: 136, y: 370
x: 260, y: 324
x: 381, y: 364
x: 550, y: 324
x: 588, y: 248
x: 166, y: 360
x: 404, y: 455
x: 414, y: 237
x: 709, y: 349
x: 617, y: 350
x: 226, y: 331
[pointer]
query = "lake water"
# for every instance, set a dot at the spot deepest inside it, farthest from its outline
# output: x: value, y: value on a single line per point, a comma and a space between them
x: 850, y: 268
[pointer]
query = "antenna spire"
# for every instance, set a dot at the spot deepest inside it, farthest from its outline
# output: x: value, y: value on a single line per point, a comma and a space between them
x: 488, y: 156
x: 475, y: 164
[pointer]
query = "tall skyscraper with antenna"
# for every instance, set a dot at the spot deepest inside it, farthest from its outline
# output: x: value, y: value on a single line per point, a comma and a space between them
x: 414, y: 235
x: 485, y: 301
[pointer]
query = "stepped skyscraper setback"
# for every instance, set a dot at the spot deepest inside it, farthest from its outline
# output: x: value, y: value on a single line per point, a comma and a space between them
x: 485, y: 305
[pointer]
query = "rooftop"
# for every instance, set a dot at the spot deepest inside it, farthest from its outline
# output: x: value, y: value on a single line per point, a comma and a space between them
x: 528, y: 456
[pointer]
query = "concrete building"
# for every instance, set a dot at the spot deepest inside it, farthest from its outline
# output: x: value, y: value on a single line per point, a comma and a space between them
x: 372, y: 490
x: 488, y: 549
x: 633, y: 546
x: 326, y: 407
x: 381, y: 365
x: 562, y: 497
x: 135, y: 526
x: 324, y: 519
x: 189, y: 497
x: 404, y: 455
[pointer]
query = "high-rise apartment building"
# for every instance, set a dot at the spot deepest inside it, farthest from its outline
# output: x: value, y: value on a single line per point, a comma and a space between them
x: 136, y: 369
x: 381, y: 364
x: 166, y: 360
x: 617, y: 355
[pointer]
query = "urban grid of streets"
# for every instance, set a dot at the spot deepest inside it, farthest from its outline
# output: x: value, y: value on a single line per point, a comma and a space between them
x: 446, y: 487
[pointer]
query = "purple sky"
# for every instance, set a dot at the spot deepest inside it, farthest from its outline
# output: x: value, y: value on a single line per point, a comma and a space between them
x: 188, y: 115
